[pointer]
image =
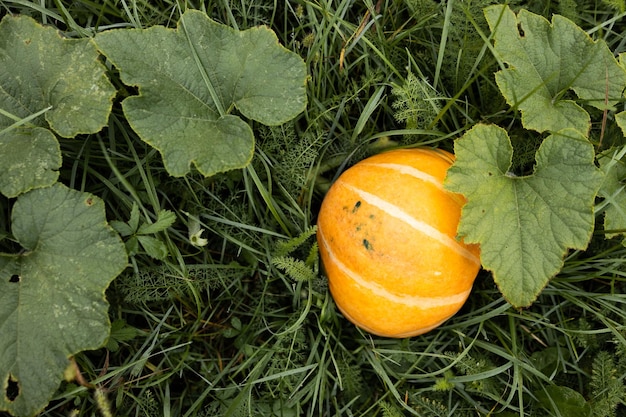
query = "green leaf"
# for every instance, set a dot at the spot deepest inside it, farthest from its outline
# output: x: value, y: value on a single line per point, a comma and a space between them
x: 165, y: 218
x: 132, y: 245
x: 613, y: 164
x: 153, y: 247
x: 120, y: 332
x: 191, y: 78
x: 524, y: 224
x: 122, y: 228
x: 545, y: 61
x: 53, y: 291
x: 563, y: 401
x: 47, y: 84
x: 546, y: 361
x: 133, y: 222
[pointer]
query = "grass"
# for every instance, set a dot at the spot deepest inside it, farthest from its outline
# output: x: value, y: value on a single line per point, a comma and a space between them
x: 227, y: 330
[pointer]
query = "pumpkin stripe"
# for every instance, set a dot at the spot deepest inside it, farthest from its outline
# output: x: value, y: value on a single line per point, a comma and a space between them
x: 380, y: 291
x: 422, y: 227
x: 408, y: 170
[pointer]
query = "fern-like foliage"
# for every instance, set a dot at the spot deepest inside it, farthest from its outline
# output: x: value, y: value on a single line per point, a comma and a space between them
x: 144, y: 402
x: 289, y: 353
x: 293, y: 156
x: 297, y: 269
x: 582, y: 338
x: 620, y: 354
x: 607, y: 390
x: 420, y: 8
x: 427, y: 406
x: 160, y: 283
x: 285, y: 247
x: 228, y: 403
x: 148, y: 405
x: 417, y: 103
x: 352, y: 382
x: 389, y: 410
x: 473, y: 365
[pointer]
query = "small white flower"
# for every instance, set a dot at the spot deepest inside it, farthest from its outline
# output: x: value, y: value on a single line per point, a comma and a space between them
x: 195, y: 233
x: 197, y: 240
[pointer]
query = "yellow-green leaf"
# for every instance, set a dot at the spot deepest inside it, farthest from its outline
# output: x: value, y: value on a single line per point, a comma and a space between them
x: 545, y: 61
x: 524, y: 224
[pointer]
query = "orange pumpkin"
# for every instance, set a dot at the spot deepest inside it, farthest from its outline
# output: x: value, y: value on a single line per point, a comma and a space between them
x: 387, y: 239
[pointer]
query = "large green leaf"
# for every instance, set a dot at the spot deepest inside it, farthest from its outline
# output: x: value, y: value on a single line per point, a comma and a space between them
x: 47, y: 84
x: 546, y: 60
x: 524, y: 224
x: 52, y: 301
x: 191, y: 78
x: 563, y: 401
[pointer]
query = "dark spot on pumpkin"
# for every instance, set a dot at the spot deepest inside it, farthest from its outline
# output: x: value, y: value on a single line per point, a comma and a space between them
x: 14, y: 278
x: 12, y: 390
x: 356, y: 206
x: 367, y: 244
x: 490, y: 173
x: 89, y: 202
x: 520, y: 30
